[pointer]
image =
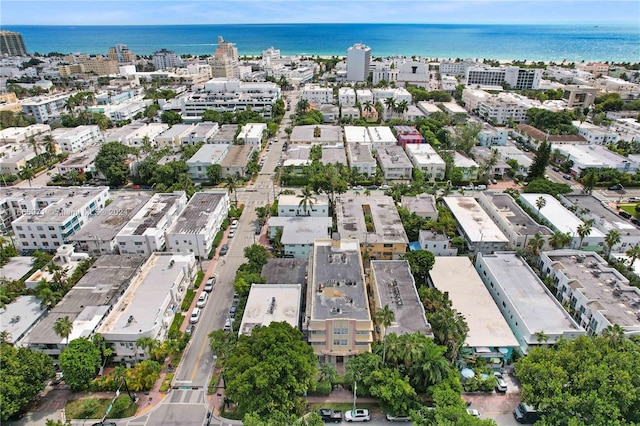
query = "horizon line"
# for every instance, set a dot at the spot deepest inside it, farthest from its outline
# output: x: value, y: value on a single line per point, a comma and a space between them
x: 594, y: 23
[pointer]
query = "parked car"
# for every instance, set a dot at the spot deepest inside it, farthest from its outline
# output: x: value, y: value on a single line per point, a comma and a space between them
x: 383, y: 187
x: 555, y: 169
x: 526, y: 414
x: 567, y: 177
x: 358, y: 188
x: 258, y: 230
x: 501, y: 382
x: 330, y: 416
x: 372, y: 187
x: 232, y: 311
x: 481, y: 187
x: 232, y: 233
x: 208, y: 287
x: 190, y: 328
x: 473, y: 412
x: 195, y: 316
x: 202, y: 299
x: 400, y: 418
x: 358, y: 415
x: 616, y: 187
x: 494, y: 182
x: 625, y: 214
x: 224, y: 249
x: 227, y: 325
x: 234, y: 224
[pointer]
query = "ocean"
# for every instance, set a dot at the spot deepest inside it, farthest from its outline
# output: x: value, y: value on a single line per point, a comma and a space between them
x: 618, y: 43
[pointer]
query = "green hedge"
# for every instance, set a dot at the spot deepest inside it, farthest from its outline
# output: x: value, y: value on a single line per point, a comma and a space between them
x: 174, y: 329
x: 212, y: 384
x: 323, y: 388
x: 216, y: 242
x: 166, y: 382
x: 199, y: 278
x: 188, y: 298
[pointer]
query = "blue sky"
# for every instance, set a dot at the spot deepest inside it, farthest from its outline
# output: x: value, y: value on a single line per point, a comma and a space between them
x: 106, y: 12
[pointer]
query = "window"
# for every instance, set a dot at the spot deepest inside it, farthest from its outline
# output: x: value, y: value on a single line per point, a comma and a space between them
x: 42, y: 236
x: 341, y: 331
x: 39, y: 228
x: 388, y: 245
x: 19, y: 228
x: 54, y: 236
x: 51, y: 228
x: 21, y: 235
x: 46, y: 244
x: 138, y: 243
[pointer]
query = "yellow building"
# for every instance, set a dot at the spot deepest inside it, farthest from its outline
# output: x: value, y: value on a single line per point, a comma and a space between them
x: 374, y: 221
x: 338, y: 322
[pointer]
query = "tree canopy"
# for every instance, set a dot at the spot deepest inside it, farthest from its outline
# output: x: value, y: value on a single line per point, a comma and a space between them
x: 111, y: 162
x: 270, y: 370
x: 23, y: 374
x: 540, y: 162
x: 420, y: 262
x: 80, y: 362
x: 586, y: 381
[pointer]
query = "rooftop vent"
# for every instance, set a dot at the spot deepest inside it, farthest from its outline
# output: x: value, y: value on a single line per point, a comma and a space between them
x: 335, y: 310
x: 272, y: 306
x: 130, y: 319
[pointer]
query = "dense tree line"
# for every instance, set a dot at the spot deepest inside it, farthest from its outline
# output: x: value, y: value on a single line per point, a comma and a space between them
x: 555, y: 123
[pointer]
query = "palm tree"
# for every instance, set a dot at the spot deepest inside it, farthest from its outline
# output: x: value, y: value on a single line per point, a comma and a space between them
x: 402, y: 107
x: 34, y: 144
x: 540, y: 203
x: 384, y: 317
x: 303, y: 105
x: 536, y: 243
x: 584, y: 230
x: 307, y: 199
x: 433, y: 367
x: 611, y: 239
x: 26, y: 173
x: 615, y: 334
x: 390, y: 103
x: 633, y: 253
x: 368, y: 107
x: 328, y: 372
x: 560, y: 239
x: 541, y: 336
x: 63, y: 327
x: 231, y: 184
x: 50, y: 145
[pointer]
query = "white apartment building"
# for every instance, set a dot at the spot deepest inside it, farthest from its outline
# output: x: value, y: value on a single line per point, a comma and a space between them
x: 360, y: 158
x: 14, y: 158
x: 269, y: 303
x: 317, y: 94
x: 595, y: 134
x: 517, y: 78
x: 598, y: 296
x: 381, y: 136
x: 46, y: 217
x: 524, y: 301
x: 346, y: 96
x: 290, y: 205
x: 201, y: 132
x: 78, y: 138
x: 81, y: 162
x: 252, y: 134
x: 207, y: 155
x: 491, y: 136
x: 22, y: 134
x: 231, y: 95
x: 45, y: 109
x: 563, y: 220
x: 124, y: 111
x: 398, y: 94
x: 172, y: 138
x: 472, y: 98
x: 145, y: 233
x: 424, y: 157
x: 163, y: 59
x: 477, y: 228
x: 147, y: 307
x: 466, y: 165
x: 395, y: 163
x: 627, y: 128
x: 196, y: 227
x: 595, y: 156
x: 299, y: 233
x: 364, y: 95
x: 501, y: 109
x: 358, y: 62
x: 456, y: 68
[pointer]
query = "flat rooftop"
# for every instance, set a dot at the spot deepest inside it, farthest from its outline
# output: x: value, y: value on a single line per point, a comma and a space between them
x: 353, y: 134
x: 393, y: 157
x: 226, y: 134
x: 421, y: 203
x: 18, y: 317
x: 333, y: 155
x: 17, y: 267
x: 591, y: 155
x: 147, y: 294
x: 424, y: 154
x: 151, y: 214
x: 622, y: 309
x: 201, y: 130
x: 475, y: 222
x: 469, y: 296
x: 360, y: 153
x: 269, y: 303
x: 387, y: 226
x: 196, y: 213
x: 301, y: 229
x: 306, y: 134
x: 396, y: 288
x: 558, y: 215
x: 106, y: 225
x: 176, y: 130
x: 285, y: 271
x: 238, y: 155
x: 83, y: 158
x: 608, y: 218
x: 90, y: 299
x: 520, y: 221
x: 210, y: 153
x: 538, y: 308
x: 338, y: 284
x: 381, y: 135
x: 72, y: 200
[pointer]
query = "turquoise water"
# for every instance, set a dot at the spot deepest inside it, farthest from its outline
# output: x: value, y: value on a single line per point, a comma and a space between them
x: 618, y: 43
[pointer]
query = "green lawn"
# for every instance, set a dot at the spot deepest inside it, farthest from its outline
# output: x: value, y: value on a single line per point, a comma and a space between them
x: 629, y: 208
x: 94, y: 408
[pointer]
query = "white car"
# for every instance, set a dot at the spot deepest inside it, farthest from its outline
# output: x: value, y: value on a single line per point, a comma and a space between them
x: 202, y: 299
x: 501, y: 384
x: 232, y: 233
x: 234, y: 224
x: 195, y: 316
x: 359, y: 415
x: 473, y: 412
